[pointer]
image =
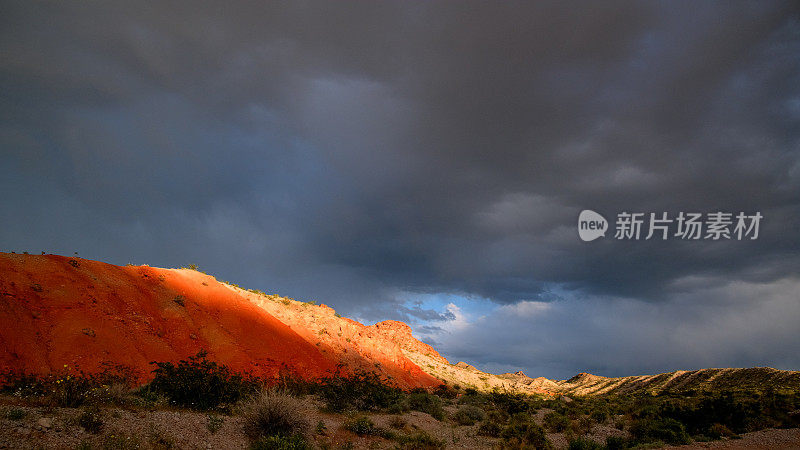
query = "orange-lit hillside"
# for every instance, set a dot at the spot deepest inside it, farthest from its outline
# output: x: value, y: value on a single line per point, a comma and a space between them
x: 57, y: 311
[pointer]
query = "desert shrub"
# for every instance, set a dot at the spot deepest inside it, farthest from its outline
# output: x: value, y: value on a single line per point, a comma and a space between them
x: 616, y: 443
x: 509, y: 402
x: 360, y: 425
x: 599, y: 415
x: 419, y: 441
x: 398, y: 423
x: 119, y: 441
x: 718, y: 431
x: 490, y: 429
x: 158, y: 441
x: 524, y: 432
x: 91, y: 419
x: 214, y: 423
x: 555, y: 422
x: 291, y: 383
x: 469, y: 415
x: 363, y: 391
x: 493, y: 425
x: 273, y: 413
x: 582, y: 443
x: 280, y: 443
x: 662, y: 429
x: 15, y: 414
x: 444, y: 391
x: 739, y: 415
x: 472, y: 397
x: 427, y: 403
x: 199, y: 383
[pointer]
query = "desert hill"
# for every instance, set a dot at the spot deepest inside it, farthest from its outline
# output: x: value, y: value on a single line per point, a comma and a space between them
x: 57, y: 311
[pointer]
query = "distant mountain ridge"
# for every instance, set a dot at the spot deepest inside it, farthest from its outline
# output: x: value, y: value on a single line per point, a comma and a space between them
x: 57, y: 311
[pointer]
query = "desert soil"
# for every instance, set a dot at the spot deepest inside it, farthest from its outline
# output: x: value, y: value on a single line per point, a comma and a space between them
x: 58, y: 428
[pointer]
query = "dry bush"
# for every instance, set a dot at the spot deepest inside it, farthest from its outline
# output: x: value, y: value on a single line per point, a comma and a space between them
x: 274, y: 413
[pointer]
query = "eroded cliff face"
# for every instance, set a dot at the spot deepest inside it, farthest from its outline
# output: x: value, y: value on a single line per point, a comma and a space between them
x: 57, y: 311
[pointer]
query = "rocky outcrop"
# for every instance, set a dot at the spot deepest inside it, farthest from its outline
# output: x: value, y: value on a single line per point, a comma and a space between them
x: 401, y: 333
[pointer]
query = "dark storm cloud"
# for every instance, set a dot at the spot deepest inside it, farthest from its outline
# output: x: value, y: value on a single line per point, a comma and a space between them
x: 345, y: 152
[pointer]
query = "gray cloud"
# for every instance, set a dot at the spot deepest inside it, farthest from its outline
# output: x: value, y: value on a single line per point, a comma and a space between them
x: 733, y: 324
x: 346, y: 152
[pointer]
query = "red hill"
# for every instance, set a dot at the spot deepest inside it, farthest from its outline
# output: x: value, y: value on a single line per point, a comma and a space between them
x: 57, y: 311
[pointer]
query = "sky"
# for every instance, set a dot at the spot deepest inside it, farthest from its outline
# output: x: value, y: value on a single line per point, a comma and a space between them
x: 427, y: 162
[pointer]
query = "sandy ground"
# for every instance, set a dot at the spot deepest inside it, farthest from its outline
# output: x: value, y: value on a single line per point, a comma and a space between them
x: 58, y: 428
x: 765, y: 439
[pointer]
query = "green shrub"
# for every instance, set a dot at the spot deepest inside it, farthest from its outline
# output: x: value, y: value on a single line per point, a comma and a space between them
x: 445, y: 392
x: 469, y: 415
x: 360, y: 425
x: 419, y: 441
x: 718, y: 431
x: 662, y: 429
x: 509, y: 402
x: 582, y: 443
x: 91, y: 419
x: 214, y: 423
x: 427, y: 403
x: 493, y: 425
x: 273, y: 413
x: 15, y: 414
x: 616, y: 443
x: 555, y: 422
x: 524, y: 432
x: 199, y: 383
x: 398, y: 423
x: 363, y: 391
